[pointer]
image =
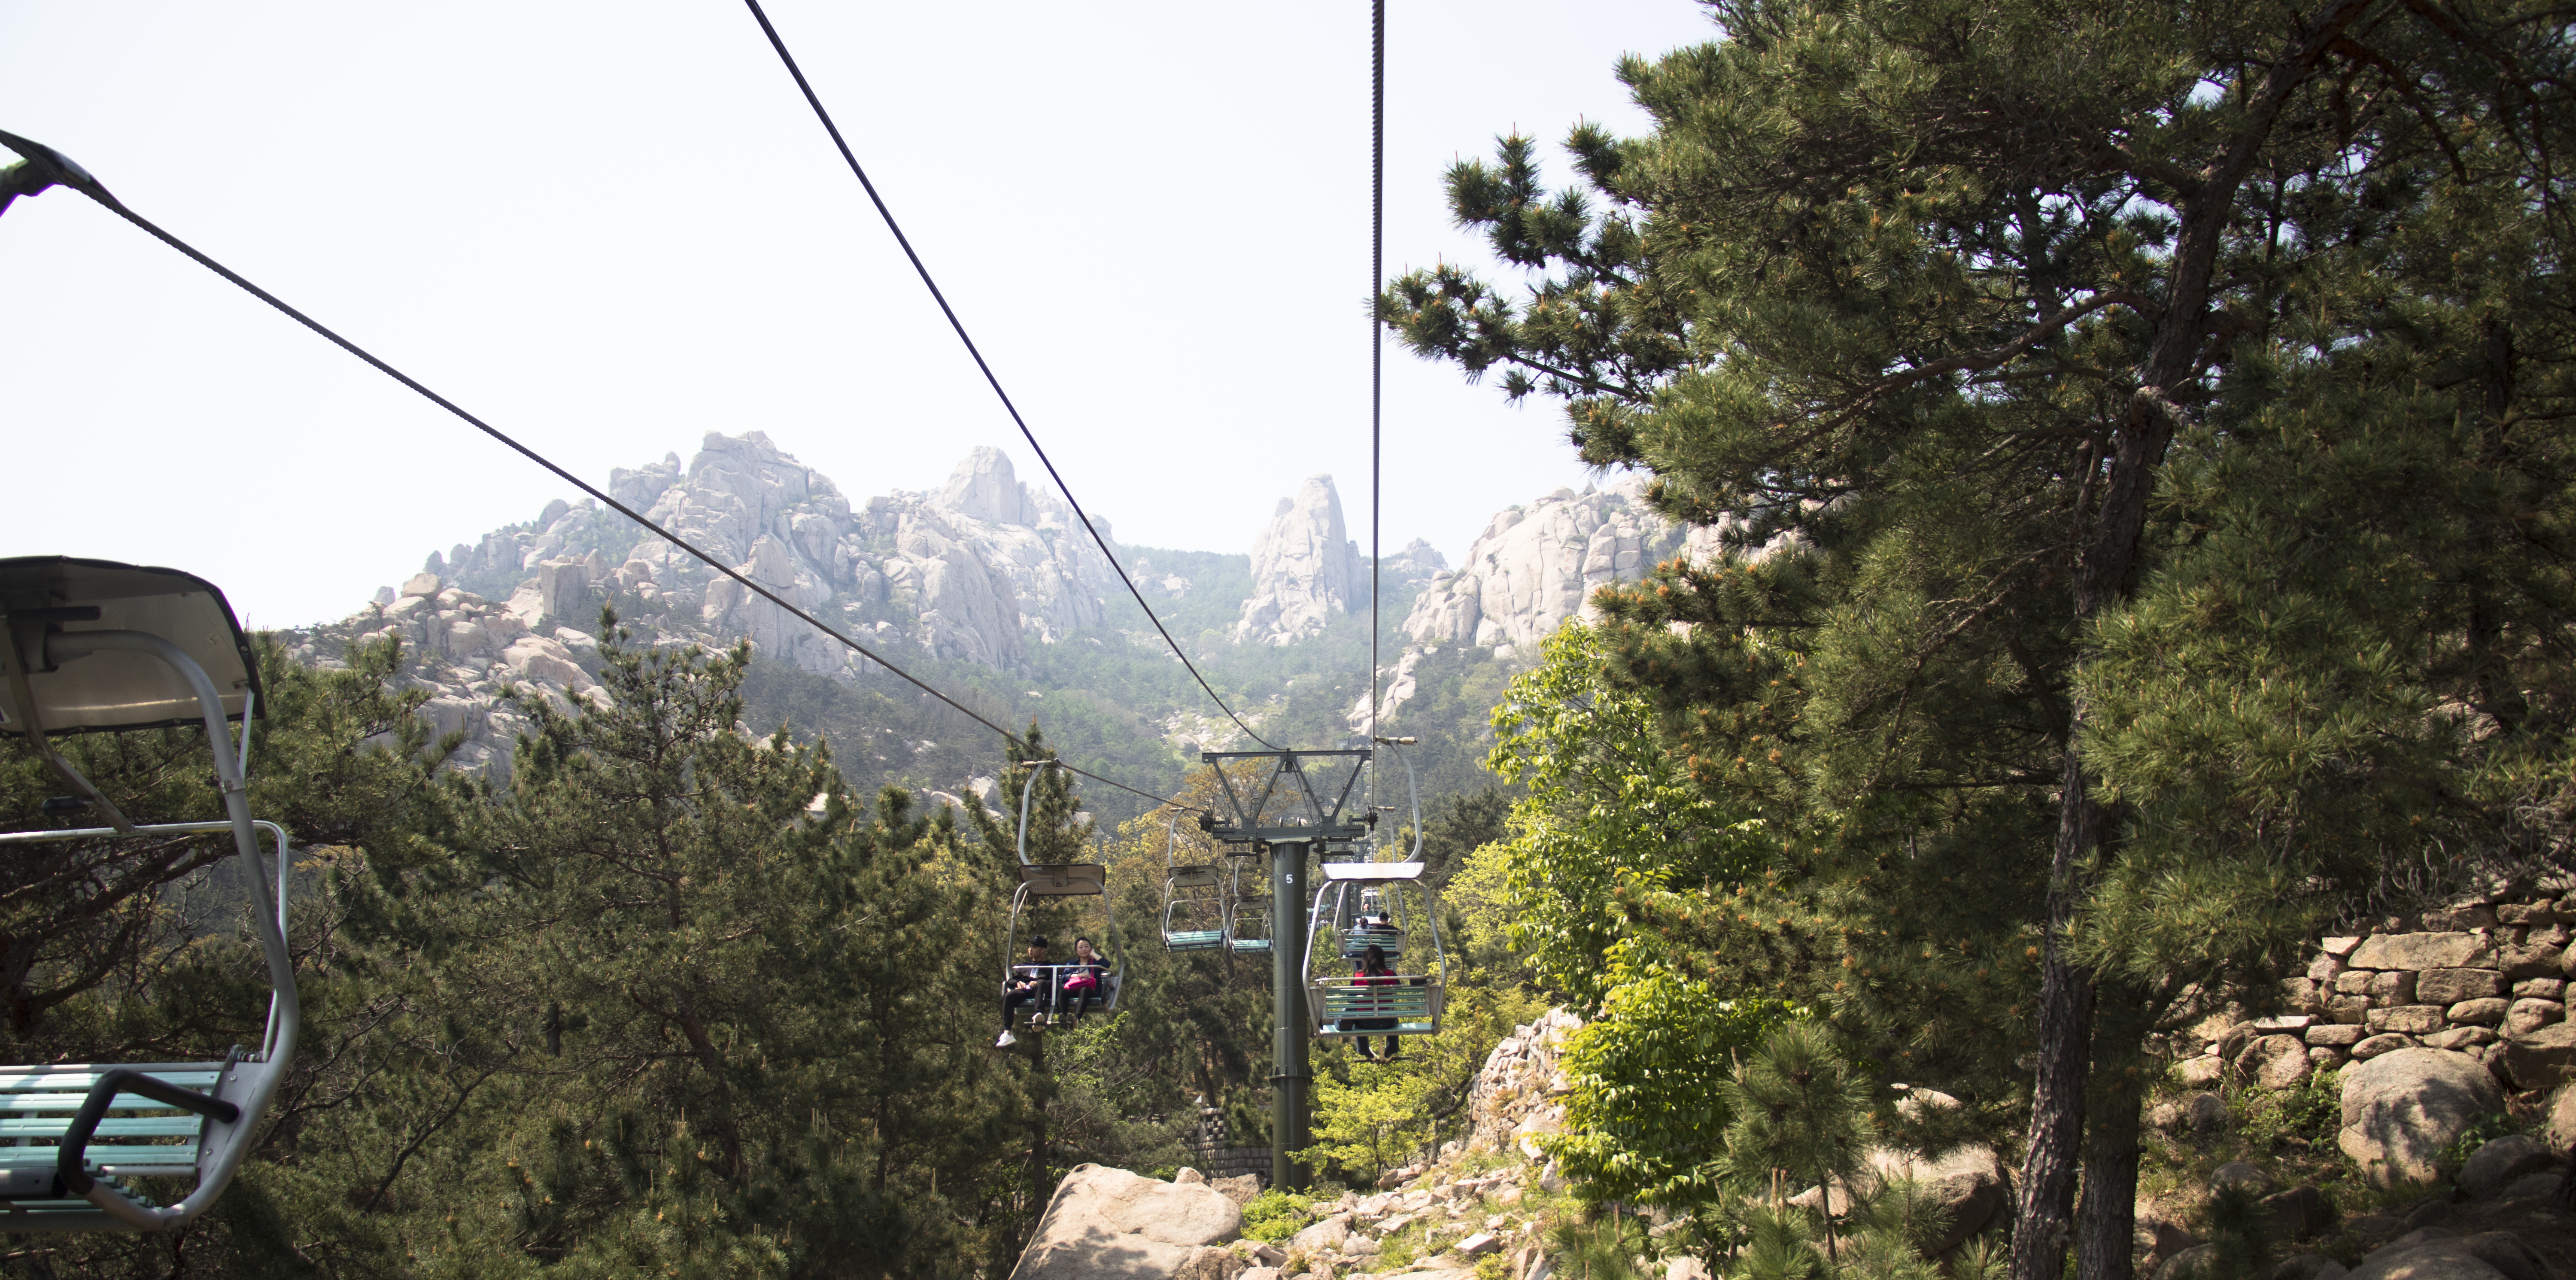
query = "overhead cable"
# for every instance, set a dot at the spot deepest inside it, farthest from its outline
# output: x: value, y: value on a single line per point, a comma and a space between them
x: 1377, y: 340
x: 51, y: 167
x: 990, y: 378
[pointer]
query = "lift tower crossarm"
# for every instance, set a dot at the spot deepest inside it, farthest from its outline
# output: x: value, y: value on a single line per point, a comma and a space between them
x: 1328, y: 823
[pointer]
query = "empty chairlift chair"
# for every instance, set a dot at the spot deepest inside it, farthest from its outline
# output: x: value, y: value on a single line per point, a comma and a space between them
x: 95, y: 646
x: 1040, y: 882
x: 1406, y: 1002
x: 1248, y: 920
x: 1194, y: 901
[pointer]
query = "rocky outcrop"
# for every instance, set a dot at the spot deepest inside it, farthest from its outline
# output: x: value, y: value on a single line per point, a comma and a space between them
x: 2402, y: 1108
x: 1520, y: 1094
x: 1305, y: 568
x: 1536, y: 566
x: 979, y: 570
x: 1109, y: 1224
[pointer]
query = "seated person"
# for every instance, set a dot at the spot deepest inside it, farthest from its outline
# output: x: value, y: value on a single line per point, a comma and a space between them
x: 1082, y: 979
x: 1373, y: 972
x: 1027, y: 983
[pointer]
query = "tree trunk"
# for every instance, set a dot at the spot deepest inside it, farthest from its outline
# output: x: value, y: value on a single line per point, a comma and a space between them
x: 2106, y: 1225
x: 2040, y: 1228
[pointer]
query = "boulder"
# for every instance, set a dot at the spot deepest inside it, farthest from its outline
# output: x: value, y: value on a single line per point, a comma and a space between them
x: 2239, y: 1173
x: 2381, y: 1044
x: 2534, y: 1186
x: 1109, y: 1224
x: 2527, y: 1015
x: 2420, y: 951
x: 2481, y: 1013
x: 420, y: 584
x: 2352, y: 1009
x: 2424, y: 1264
x: 2561, y: 1129
x: 1326, y: 1236
x: 2207, y: 1113
x: 2502, y: 1161
x: 2200, y: 1073
x: 1241, y: 1189
x: 2541, y: 988
x: 2414, y: 1019
x: 2544, y: 1059
x: 2336, y: 1034
x: 2309, y: 1266
x: 2534, y: 959
x: 2160, y: 1238
x: 2275, y: 1061
x: 2451, y: 986
x: 2448, y: 1257
x: 1968, y: 1183
x: 2298, y: 1213
x: 2388, y: 990
x: 2183, y: 1265
x: 1208, y: 1262
x: 2400, y: 1109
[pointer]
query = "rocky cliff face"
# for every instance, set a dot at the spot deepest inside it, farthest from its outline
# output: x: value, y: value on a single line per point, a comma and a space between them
x: 978, y: 570
x: 1306, y: 568
x: 1536, y: 566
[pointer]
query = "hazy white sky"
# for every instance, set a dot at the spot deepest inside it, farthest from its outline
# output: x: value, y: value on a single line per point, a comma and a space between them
x: 610, y: 228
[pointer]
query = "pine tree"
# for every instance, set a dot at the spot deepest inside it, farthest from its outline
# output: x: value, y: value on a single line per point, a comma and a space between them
x: 2019, y: 336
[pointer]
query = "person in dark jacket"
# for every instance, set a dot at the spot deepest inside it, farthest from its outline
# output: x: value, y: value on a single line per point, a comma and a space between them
x: 1373, y: 972
x: 1028, y: 982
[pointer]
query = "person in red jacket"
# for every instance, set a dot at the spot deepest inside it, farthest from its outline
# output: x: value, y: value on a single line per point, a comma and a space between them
x: 1374, y: 973
x: 1082, y: 979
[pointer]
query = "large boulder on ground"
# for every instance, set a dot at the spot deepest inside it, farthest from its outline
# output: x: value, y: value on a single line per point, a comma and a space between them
x: 1967, y: 1182
x: 2400, y: 1109
x: 1109, y: 1224
x: 2476, y: 1257
x: 2497, y: 1164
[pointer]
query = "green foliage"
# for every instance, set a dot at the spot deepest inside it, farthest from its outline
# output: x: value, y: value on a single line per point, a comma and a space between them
x: 1370, y: 1117
x: 1649, y: 1110
x: 1607, y: 808
x: 2137, y: 462
x: 2309, y: 1112
x: 1275, y: 1215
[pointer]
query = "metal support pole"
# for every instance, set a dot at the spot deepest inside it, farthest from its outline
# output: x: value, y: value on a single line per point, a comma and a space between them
x: 1288, y: 1039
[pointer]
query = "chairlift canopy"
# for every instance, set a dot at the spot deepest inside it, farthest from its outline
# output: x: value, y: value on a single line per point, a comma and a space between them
x: 62, y: 596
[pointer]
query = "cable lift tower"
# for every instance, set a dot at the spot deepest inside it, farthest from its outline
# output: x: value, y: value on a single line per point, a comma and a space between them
x: 1288, y: 840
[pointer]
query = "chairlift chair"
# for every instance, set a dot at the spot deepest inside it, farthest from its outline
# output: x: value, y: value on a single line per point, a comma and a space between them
x: 1409, y: 1001
x: 1194, y: 901
x: 98, y: 646
x: 1050, y: 881
x: 1248, y: 920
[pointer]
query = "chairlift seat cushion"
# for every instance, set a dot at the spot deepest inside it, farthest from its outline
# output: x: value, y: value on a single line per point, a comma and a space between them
x: 119, y: 689
x: 1401, y: 1010
x: 1194, y: 939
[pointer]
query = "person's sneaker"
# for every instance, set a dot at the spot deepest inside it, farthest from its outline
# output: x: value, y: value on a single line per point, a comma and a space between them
x: 1006, y: 1041
x: 1037, y: 1022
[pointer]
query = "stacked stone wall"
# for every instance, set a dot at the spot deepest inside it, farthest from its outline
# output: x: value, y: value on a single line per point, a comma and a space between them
x: 2486, y: 977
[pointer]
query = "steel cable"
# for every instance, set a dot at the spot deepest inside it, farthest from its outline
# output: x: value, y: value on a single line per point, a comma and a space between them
x: 805, y: 87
